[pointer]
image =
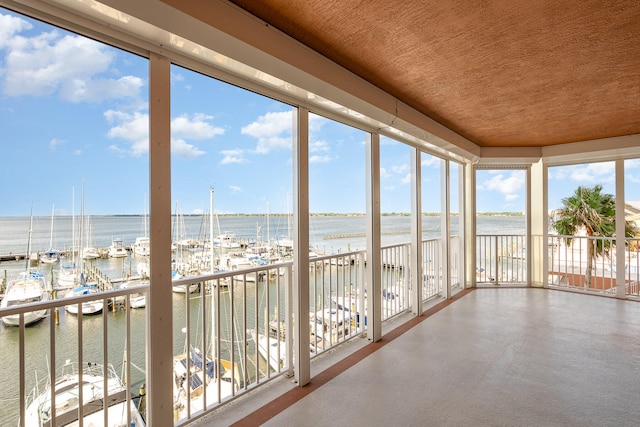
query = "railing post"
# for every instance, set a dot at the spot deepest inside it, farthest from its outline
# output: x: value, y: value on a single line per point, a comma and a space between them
x: 496, y: 257
x: 374, y: 291
x: 300, y: 307
x: 415, y: 247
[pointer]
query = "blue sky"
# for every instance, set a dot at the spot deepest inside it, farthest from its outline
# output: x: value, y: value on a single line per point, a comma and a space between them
x: 72, y: 109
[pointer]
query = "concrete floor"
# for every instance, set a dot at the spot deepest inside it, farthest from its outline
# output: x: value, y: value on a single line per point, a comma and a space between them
x: 491, y: 357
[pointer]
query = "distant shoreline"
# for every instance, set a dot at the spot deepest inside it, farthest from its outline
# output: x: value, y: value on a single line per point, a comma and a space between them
x: 327, y: 214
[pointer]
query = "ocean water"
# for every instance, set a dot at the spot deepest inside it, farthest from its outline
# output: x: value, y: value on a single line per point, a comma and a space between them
x: 325, y: 231
x: 327, y: 235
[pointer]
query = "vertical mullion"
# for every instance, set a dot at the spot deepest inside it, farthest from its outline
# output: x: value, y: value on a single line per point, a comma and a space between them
x: 159, y: 308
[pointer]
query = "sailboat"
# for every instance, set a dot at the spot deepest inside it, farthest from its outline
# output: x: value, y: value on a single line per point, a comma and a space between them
x: 27, y: 288
x: 197, y: 375
x: 88, y: 307
x: 69, y: 276
x: 179, y: 268
x: 142, y: 244
x: 89, y: 252
x: 51, y: 255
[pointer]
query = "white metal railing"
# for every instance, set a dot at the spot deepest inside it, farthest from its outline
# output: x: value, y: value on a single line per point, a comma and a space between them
x: 396, y: 289
x: 632, y: 267
x: 240, y: 320
x: 337, y: 299
x: 43, y: 349
x: 571, y: 268
x: 501, y: 259
x: 432, y: 279
x: 237, y: 324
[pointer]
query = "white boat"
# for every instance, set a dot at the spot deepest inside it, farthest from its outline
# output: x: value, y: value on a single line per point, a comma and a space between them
x: 137, y: 300
x: 88, y: 307
x: 227, y: 240
x: 51, y: 255
x: 67, y: 387
x: 142, y: 246
x: 117, y: 248
x: 67, y: 276
x: 200, y: 374
x: 237, y: 262
x: 90, y: 252
x: 272, y: 347
x: 29, y: 287
x: 143, y: 269
x: 181, y: 271
x: 330, y: 325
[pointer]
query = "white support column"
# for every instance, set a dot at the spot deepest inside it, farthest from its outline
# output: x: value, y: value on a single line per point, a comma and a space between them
x: 620, y: 231
x: 462, y: 243
x: 537, y: 226
x: 302, y: 359
x: 416, y: 233
x: 470, y: 225
x: 159, y: 301
x: 445, y: 226
x: 373, y: 271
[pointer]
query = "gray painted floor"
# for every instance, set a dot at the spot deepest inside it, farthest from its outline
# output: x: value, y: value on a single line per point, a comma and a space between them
x: 495, y: 357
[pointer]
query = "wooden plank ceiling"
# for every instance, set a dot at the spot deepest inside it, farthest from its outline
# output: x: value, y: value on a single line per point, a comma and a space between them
x: 501, y: 73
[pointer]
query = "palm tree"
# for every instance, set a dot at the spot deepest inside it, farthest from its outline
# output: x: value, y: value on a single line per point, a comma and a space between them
x: 594, y: 211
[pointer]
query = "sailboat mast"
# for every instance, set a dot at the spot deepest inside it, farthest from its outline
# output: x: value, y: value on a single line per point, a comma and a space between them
x: 73, y: 226
x: 28, y: 256
x: 211, y: 246
x: 51, y: 231
x: 268, y: 224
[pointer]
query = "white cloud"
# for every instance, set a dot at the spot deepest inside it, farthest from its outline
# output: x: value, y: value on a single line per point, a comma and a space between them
x: 400, y: 169
x: 9, y: 27
x: 320, y: 159
x: 119, y: 151
x: 134, y: 128
x: 384, y: 173
x: 50, y: 63
x: 233, y: 156
x: 273, y: 131
x: 430, y: 161
x: 97, y: 90
x: 509, y: 185
x: 594, y: 172
x: 235, y: 189
x: 318, y: 146
x: 183, y: 149
x: 196, y: 127
x: 406, y: 179
x: 53, y: 144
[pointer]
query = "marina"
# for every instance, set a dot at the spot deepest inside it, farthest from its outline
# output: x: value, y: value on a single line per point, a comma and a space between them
x: 259, y: 297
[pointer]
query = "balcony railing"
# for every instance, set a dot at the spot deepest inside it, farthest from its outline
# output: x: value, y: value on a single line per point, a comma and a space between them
x: 236, y: 325
x: 91, y: 344
x: 570, y: 267
x: 501, y: 259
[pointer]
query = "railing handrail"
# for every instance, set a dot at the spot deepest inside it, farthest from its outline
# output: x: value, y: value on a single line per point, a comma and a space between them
x: 64, y: 301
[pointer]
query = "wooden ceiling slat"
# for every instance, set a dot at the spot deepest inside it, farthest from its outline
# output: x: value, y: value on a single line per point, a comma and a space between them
x: 515, y: 73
